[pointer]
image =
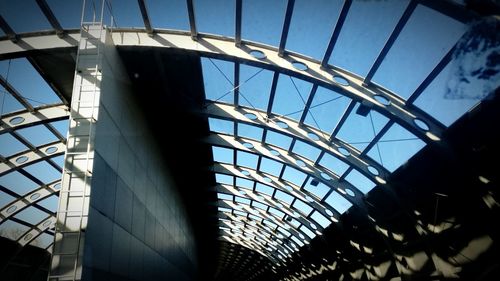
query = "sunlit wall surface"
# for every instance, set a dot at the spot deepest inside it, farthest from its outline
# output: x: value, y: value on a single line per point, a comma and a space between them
x: 137, y: 225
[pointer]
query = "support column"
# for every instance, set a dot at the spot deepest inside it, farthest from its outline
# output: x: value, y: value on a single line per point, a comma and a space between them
x: 72, y: 213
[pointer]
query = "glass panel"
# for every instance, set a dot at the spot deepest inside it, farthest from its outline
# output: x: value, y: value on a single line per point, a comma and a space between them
x: 364, y: 33
x: 12, y: 230
x: 24, y: 16
x: 319, y: 218
x: 264, y: 189
x: 326, y: 109
x: 10, y: 104
x: 43, y: 241
x: 254, y: 217
x: 278, y: 139
x: 270, y: 166
x: 312, y: 23
x: 427, y: 44
x: 170, y: 14
x: 338, y: 202
x: 9, y: 145
x: 242, y: 200
x: 359, y: 130
x: 284, y: 196
x: 250, y: 131
x: 31, y: 215
x: 395, y: 147
x: 18, y: 183
x: 244, y: 183
x: 291, y: 96
x: 226, y: 179
x: 218, y: 79
x: 320, y: 190
x: 306, y: 150
x: 28, y: 82
x: 215, y: 16
x: 308, y: 232
x: 59, y: 160
x: 37, y: 135
x: 61, y: 126
x: 438, y: 98
x: 259, y: 205
x: 43, y: 171
x: 294, y: 176
x: 302, y: 207
x: 127, y: 14
x: 50, y: 202
x: 223, y: 155
x: 359, y: 181
x: 333, y: 164
x: 68, y: 13
x: 255, y: 86
x: 262, y: 21
x: 222, y: 209
x: 5, y: 198
x: 224, y: 196
x: 280, y: 214
x: 221, y: 126
x: 240, y: 213
x: 246, y: 159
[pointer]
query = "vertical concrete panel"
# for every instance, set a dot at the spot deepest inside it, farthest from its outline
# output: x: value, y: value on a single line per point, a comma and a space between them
x: 136, y: 219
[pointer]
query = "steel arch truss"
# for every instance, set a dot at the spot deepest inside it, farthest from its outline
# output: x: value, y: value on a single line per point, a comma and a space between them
x: 20, y: 162
x: 239, y: 222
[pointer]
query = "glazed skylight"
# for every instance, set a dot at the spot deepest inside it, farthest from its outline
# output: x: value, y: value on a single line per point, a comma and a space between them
x: 323, y: 104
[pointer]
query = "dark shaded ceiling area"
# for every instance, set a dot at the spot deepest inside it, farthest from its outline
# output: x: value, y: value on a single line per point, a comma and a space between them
x: 433, y: 220
x: 169, y: 87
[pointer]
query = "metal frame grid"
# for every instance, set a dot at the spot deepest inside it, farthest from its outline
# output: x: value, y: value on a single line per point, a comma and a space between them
x: 249, y: 217
x: 11, y: 125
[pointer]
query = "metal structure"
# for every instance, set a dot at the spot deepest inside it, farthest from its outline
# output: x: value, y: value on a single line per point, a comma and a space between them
x: 259, y: 208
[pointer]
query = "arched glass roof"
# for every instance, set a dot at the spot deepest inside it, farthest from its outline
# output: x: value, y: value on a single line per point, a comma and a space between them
x: 309, y: 105
x: 33, y: 142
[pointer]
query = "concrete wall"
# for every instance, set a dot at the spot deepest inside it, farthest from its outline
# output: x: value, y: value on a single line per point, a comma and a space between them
x: 137, y: 229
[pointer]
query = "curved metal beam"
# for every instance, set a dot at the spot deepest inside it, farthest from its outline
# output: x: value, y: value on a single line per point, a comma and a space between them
x: 268, y: 201
x: 264, y: 234
x: 246, y: 242
x: 333, y: 146
x: 34, y: 41
x: 224, y: 48
x: 28, y: 157
x: 309, y: 167
x: 28, y: 200
x: 262, y: 230
x: 26, y: 118
x: 251, y: 210
x: 36, y: 230
x: 50, y: 17
x: 256, y: 232
x: 281, y: 185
